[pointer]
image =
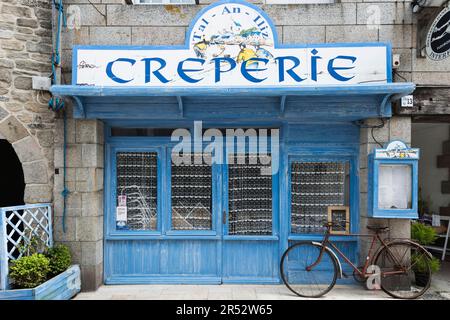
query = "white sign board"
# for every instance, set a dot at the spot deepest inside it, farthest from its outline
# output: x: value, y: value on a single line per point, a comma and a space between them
x: 231, y: 44
x: 408, y: 101
x: 397, y: 150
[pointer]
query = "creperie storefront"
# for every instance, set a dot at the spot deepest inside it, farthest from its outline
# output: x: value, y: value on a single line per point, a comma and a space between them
x: 221, y: 152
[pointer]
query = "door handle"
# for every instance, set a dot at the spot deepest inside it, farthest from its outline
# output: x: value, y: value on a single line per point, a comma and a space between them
x: 224, y: 217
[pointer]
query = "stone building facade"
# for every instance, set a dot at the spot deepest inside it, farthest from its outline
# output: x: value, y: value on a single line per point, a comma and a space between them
x: 26, y: 122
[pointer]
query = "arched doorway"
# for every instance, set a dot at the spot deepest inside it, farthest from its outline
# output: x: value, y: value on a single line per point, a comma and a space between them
x: 12, y: 183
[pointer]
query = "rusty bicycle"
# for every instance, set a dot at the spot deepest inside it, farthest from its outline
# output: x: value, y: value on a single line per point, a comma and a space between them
x: 310, y: 269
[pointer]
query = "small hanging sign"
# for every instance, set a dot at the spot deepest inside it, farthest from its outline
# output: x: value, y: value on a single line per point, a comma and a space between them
x: 121, y: 216
x: 397, y: 150
x: 338, y: 216
x: 122, y: 201
x: 438, y: 37
x: 408, y: 101
x: 121, y: 211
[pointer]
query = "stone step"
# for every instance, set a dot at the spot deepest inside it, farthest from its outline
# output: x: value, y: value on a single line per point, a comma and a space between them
x: 443, y: 161
x: 445, y: 187
x: 444, y: 211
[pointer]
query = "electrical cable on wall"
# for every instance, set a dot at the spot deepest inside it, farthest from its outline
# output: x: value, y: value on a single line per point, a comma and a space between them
x: 57, y: 104
x: 379, y: 126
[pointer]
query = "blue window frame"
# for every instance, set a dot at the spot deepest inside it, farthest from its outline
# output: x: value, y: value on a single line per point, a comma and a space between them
x: 351, y: 198
x: 219, y: 177
x: 273, y: 234
x: 213, y: 205
x: 113, y: 153
x: 374, y: 210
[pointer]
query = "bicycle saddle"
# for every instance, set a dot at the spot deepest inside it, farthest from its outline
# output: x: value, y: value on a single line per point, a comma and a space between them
x: 378, y: 228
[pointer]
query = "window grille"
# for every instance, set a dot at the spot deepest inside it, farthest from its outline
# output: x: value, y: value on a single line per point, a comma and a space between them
x: 191, y: 196
x: 250, y: 197
x: 314, y: 187
x: 137, y: 180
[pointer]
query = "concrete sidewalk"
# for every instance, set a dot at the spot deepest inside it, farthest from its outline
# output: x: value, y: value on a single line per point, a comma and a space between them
x: 233, y: 292
x: 439, y: 290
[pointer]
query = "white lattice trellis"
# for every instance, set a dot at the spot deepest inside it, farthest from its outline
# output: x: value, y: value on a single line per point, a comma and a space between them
x: 19, y: 227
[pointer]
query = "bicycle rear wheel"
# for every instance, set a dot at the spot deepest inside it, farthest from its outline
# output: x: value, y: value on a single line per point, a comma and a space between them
x: 304, y: 273
x: 405, y: 269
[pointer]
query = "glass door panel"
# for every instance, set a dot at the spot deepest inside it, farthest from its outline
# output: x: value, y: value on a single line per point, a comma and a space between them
x: 249, y: 196
x: 191, y: 196
x: 136, y: 190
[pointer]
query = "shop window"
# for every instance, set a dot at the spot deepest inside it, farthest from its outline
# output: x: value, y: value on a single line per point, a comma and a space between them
x: 191, y: 196
x: 249, y: 196
x: 137, y: 189
x: 316, y: 186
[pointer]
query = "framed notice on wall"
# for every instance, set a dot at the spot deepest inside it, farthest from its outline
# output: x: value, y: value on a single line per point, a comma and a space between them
x: 338, y: 217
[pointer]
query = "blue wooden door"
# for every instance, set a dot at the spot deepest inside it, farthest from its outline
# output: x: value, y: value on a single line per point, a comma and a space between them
x: 163, y: 222
x: 188, y: 223
x: 250, y: 200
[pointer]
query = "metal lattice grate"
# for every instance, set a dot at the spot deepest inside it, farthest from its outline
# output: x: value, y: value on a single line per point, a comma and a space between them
x: 314, y: 187
x: 250, y: 197
x: 20, y: 228
x: 191, y: 196
x: 137, y: 179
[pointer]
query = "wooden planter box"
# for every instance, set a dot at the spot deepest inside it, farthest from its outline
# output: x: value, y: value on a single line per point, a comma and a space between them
x: 62, y: 287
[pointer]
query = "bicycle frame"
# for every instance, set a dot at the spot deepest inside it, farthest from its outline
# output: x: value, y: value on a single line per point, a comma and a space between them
x: 327, y: 243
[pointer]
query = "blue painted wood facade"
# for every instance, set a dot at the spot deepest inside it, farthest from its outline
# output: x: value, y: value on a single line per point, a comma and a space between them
x: 168, y: 256
x: 316, y: 122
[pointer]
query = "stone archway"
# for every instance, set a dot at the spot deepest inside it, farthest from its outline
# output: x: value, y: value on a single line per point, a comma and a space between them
x: 34, y: 164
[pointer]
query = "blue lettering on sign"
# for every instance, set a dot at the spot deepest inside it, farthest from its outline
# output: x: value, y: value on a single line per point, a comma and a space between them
x: 148, y: 72
x: 246, y: 71
x: 288, y: 68
x: 314, y: 59
x: 290, y: 71
x: 218, y: 70
x: 332, y: 69
x: 182, y: 72
x: 111, y: 75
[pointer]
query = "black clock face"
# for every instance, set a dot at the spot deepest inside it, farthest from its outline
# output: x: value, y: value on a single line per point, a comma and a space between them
x: 438, y: 39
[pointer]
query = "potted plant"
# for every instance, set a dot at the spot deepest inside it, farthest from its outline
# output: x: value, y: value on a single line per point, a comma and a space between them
x: 43, y: 274
x: 424, y: 235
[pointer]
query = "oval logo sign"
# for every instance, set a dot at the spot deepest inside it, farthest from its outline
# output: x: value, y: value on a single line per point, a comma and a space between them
x: 438, y: 38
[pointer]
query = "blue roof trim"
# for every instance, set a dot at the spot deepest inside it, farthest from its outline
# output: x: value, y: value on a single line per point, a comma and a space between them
x: 398, y: 89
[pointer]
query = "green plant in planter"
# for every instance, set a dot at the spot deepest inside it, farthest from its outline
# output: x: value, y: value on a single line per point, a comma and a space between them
x: 424, y: 235
x: 29, y: 271
x: 420, y: 264
x: 59, y: 258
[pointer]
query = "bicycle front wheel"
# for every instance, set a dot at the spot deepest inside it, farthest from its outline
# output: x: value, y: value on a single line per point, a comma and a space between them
x: 308, y: 270
x: 405, y: 269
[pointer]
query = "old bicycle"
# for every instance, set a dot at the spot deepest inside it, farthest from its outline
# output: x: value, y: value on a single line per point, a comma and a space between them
x: 310, y: 269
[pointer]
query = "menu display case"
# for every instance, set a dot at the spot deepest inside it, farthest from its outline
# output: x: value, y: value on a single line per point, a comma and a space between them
x: 393, y: 182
